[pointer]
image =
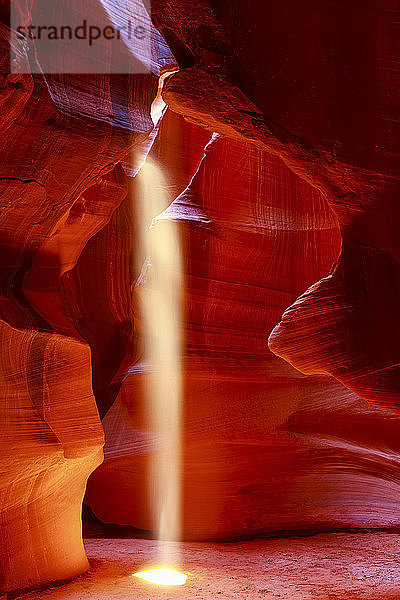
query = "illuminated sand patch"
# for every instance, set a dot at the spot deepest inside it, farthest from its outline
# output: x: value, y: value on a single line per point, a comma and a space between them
x: 162, y: 577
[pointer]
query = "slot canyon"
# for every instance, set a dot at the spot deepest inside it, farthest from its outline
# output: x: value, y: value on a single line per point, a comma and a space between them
x: 199, y: 299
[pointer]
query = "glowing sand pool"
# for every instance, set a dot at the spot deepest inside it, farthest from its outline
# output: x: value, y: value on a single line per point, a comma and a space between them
x: 162, y: 577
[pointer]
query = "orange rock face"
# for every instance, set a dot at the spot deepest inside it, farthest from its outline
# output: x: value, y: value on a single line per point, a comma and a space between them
x: 265, y: 448
x: 288, y: 219
x: 51, y: 441
x: 60, y: 186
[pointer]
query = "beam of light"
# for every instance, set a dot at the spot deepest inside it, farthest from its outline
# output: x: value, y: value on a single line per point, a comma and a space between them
x: 158, y: 105
x: 162, y: 577
x: 160, y: 292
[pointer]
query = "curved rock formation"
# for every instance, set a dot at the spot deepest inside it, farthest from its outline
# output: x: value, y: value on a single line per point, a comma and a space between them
x: 51, y: 441
x: 62, y: 139
x: 321, y: 92
x: 304, y: 97
x: 265, y: 448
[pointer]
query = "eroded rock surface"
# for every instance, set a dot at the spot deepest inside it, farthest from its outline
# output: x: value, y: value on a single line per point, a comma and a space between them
x: 62, y: 201
x: 321, y: 92
x: 305, y: 101
x: 265, y: 448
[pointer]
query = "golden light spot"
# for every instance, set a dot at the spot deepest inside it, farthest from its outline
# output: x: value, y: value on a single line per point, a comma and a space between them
x: 162, y: 577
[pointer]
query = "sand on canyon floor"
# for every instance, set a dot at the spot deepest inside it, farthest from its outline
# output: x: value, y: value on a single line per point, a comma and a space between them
x: 339, y: 566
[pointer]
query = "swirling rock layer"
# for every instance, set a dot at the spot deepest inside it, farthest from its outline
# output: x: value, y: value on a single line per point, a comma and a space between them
x: 322, y: 93
x: 60, y: 186
x: 265, y: 448
x: 293, y: 211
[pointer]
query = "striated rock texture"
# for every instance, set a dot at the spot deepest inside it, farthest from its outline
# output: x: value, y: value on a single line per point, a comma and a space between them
x: 304, y: 98
x: 65, y: 304
x: 319, y: 86
x: 50, y: 442
x: 265, y: 448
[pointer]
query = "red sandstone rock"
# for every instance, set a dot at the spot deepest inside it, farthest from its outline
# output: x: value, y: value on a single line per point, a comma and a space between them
x: 265, y: 448
x: 317, y: 85
x: 59, y: 186
x: 51, y: 441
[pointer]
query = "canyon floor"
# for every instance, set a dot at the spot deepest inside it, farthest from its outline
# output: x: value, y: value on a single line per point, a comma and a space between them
x: 339, y: 566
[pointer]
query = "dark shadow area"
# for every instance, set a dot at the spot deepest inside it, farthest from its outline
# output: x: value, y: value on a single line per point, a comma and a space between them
x: 93, y: 528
